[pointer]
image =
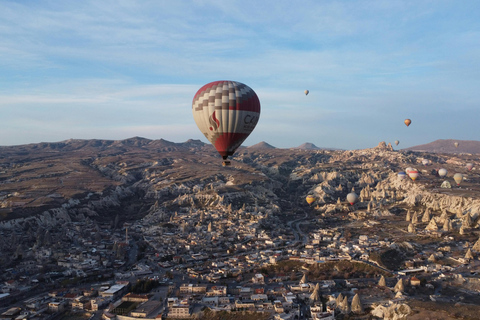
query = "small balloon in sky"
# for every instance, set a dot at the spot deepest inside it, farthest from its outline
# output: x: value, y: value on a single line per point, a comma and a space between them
x: 407, y: 122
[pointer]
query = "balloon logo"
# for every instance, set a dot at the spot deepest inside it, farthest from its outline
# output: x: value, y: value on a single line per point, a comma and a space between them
x: 407, y: 122
x: 226, y: 112
x: 213, y: 122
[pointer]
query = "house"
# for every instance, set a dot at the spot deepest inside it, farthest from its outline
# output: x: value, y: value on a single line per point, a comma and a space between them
x: 56, y: 306
x: 258, y: 278
x: 180, y: 310
x: 414, y: 281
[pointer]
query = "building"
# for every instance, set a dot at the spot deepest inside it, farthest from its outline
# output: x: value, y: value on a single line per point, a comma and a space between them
x: 56, y: 306
x: 193, y: 288
x: 114, y: 291
x: 180, y: 310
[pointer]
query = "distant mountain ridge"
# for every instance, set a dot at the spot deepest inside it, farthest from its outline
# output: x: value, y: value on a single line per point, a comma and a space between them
x: 448, y: 146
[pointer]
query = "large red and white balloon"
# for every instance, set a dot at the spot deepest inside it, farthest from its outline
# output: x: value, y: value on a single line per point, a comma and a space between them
x: 226, y: 112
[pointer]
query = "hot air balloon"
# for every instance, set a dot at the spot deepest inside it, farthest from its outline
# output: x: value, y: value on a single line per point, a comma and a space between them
x: 413, y: 174
x: 397, y: 142
x: 408, y: 170
x: 402, y: 175
x: 306, y: 92
x: 310, y: 199
x: 425, y: 162
x: 456, y: 144
x: 226, y: 112
x: 352, y: 198
x: 469, y: 166
x: 407, y: 122
x: 458, y: 177
x: 442, y: 172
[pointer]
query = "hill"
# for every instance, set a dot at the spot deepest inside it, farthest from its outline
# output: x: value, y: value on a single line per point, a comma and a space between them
x: 448, y: 146
x: 261, y: 145
x: 307, y: 146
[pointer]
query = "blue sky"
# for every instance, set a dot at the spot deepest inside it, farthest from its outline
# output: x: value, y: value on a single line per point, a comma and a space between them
x: 118, y: 69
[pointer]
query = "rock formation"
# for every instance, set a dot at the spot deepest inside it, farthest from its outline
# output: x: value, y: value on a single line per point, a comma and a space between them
x: 382, y: 282
x: 357, y: 304
x: 399, y: 286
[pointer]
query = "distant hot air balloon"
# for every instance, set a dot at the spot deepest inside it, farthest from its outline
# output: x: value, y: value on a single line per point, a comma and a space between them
x: 226, y: 112
x: 402, y: 175
x: 407, y: 122
x: 310, y: 199
x: 442, y: 172
x: 306, y: 92
x: 397, y: 142
x: 407, y: 171
x: 425, y: 162
x: 469, y: 166
x: 352, y: 198
x: 413, y: 174
x: 456, y: 144
x: 458, y: 177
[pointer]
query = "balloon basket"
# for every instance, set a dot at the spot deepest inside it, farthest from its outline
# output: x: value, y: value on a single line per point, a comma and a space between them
x: 226, y: 163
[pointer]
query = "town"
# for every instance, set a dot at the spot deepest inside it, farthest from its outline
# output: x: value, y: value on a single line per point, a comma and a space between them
x: 212, y: 250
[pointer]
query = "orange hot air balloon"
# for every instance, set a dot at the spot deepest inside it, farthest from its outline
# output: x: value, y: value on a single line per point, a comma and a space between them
x: 310, y: 199
x: 407, y: 122
x: 226, y: 112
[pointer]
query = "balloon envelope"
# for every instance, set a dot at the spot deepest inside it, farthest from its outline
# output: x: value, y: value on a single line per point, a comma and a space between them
x: 310, y: 199
x: 413, y: 174
x: 407, y: 122
x: 306, y: 92
x: 408, y: 170
x: 402, y: 175
x: 397, y: 142
x: 352, y: 197
x: 226, y: 112
x: 456, y: 144
x: 469, y: 166
x: 458, y: 177
x: 442, y: 172
x: 425, y: 162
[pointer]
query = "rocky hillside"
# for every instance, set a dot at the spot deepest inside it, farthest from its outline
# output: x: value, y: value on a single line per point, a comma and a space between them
x: 45, y: 185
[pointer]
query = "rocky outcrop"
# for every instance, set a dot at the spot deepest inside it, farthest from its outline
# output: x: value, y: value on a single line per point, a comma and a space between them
x: 395, y: 311
x: 357, y: 304
x: 382, y: 282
